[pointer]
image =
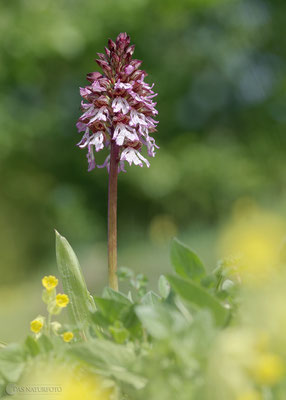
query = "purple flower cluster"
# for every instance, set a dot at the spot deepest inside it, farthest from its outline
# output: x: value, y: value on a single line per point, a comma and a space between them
x: 118, y: 107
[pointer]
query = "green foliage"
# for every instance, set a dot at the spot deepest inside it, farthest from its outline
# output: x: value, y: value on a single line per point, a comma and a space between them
x: 199, y: 298
x: 81, y: 302
x: 186, y: 263
x: 12, y: 362
x: 163, y: 286
x: 111, y: 360
x: 165, y: 346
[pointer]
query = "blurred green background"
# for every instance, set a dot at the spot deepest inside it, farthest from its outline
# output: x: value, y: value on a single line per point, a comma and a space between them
x: 219, y: 69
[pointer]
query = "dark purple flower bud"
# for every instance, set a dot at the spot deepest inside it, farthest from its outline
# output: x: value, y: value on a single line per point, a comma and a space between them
x: 92, y: 76
x: 111, y: 45
x: 136, y: 63
x: 105, y: 67
x: 115, y: 60
x: 137, y: 74
x: 107, y: 51
x: 101, y: 56
x: 122, y: 42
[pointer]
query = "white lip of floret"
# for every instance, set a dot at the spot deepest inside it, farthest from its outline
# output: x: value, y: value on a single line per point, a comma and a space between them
x: 133, y: 156
x: 120, y: 104
x: 122, y: 131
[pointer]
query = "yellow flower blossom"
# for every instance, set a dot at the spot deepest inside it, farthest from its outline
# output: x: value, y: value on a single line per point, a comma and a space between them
x: 68, y: 336
x: 250, y: 395
x: 62, y: 300
x: 36, y: 325
x: 268, y: 370
x: 50, y: 282
x: 72, y: 383
x: 254, y: 238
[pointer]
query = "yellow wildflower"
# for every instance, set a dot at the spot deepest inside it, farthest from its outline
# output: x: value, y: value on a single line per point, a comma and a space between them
x: 62, y: 300
x: 36, y: 325
x: 250, y: 395
x: 50, y: 282
x: 255, y: 236
x: 269, y: 369
x: 68, y: 336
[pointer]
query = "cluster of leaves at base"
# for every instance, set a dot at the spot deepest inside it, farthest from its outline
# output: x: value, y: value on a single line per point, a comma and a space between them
x: 125, y: 336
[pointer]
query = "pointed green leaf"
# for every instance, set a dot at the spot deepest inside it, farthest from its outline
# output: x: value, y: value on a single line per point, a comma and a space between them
x: 160, y: 320
x: 81, y: 302
x: 45, y: 344
x: 12, y: 362
x: 150, y: 298
x: 199, y: 298
x: 163, y: 286
x: 111, y: 309
x: 109, y: 293
x: 186, y: 263
x: 32, y: 346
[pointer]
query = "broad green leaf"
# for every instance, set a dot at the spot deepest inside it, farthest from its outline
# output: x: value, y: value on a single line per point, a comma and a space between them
x: 110, y: 359
x: 109, y: 293
x: 45, y: 343
x: 111, y: 309
x: 199, y: 298
x: 150, y: 298
x: 186, y: 263
x: 12, y: 362
x: 32, y: 346
x: 163, y: 286
x: 81, y: 302
x: 3, y: 386
x: 160, y: 320
x: 119, y: 332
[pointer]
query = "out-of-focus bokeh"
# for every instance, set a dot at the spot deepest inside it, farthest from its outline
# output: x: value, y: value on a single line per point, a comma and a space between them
x: 219, y: 69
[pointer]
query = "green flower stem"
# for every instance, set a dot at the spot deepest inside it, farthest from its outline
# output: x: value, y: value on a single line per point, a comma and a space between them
x: 112, y: 217
x: 49, y: 323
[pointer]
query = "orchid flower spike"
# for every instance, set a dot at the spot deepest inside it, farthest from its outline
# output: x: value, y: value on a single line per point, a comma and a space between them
x: 118, y: 108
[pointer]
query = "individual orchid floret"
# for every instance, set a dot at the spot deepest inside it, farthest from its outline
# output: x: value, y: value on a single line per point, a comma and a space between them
x: 118, y: 108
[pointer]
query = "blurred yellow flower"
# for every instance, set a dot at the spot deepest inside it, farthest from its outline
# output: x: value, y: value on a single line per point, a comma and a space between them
x: 67, y: 336
x: 62, y: 300
x: 268, y: 369
x: 256, y: 237
x: 250, y: 395
x: 50, y: 282
x: 66, y: 381
x: 36, y: 325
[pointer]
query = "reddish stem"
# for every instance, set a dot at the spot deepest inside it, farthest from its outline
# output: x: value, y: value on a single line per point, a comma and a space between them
x: 112, y: 216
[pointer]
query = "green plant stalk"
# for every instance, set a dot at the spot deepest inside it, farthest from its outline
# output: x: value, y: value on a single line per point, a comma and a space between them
x: 49, y: 323
x: 112, y: 217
